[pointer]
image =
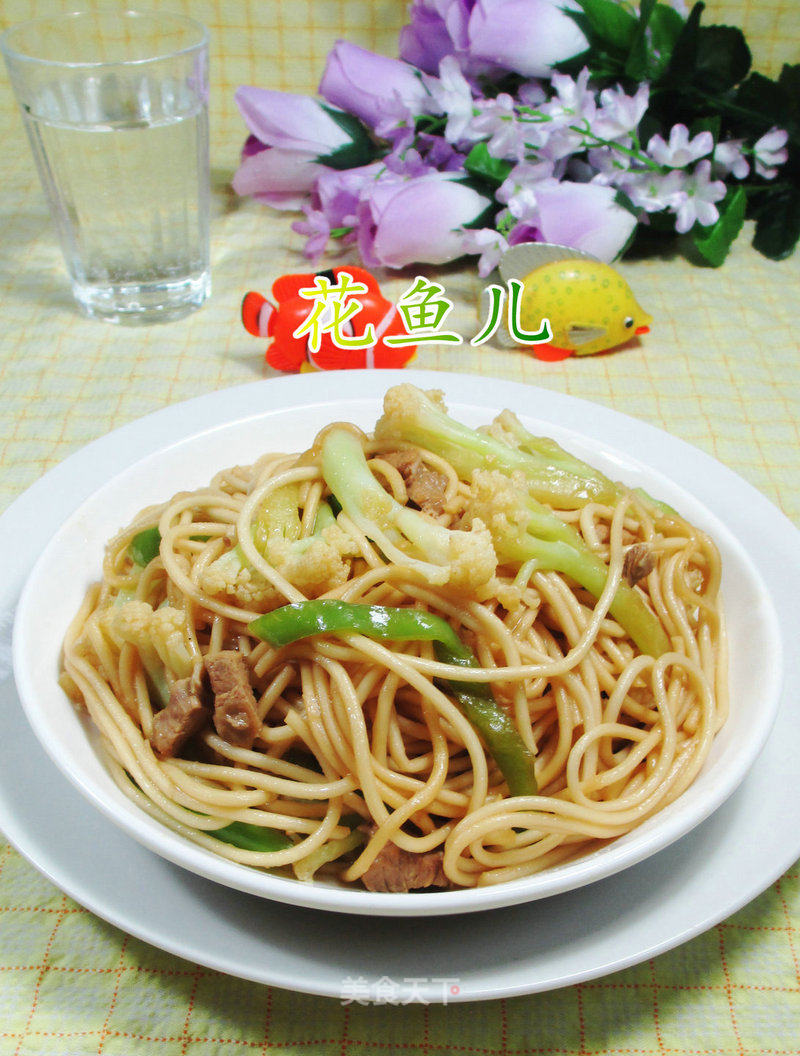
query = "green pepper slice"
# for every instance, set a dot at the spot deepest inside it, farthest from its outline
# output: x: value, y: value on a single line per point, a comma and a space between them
x: 303, y: 619
x: 252, y: 837
x: 144, y: 546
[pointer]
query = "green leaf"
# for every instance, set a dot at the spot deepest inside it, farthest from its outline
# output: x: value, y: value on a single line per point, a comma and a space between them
x: 665, y: 27
x: 361, y: 149
x: 778, y: 224
x: 789, y: 80
x: 652, y: 50
x: 710, y: 124
x: 760, y: 103
x: 714, y: 242
x: 609, y: 22
x: 479, y: 162
x: 646, y: 9
x: 684, y: 53
x: 723, y: 58
x: 638, y: 63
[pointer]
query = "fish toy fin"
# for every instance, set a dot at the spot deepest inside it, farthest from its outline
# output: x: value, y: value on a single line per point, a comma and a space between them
x: 582, y: 335
x: 551, y: 353
x: 519, y: 261
x: 256, y: 312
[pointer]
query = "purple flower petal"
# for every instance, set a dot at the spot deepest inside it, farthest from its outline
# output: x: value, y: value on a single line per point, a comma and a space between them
x: 583, y: 215
x: 280, y: 178
x: 292, y: 122
x: 404, y: 222
x: 370, y: 86
x: 437, y: 28
x: 526, y: 36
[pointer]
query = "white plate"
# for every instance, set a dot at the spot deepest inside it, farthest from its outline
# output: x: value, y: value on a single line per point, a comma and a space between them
x: 634, y: 915
x: 72, y: 561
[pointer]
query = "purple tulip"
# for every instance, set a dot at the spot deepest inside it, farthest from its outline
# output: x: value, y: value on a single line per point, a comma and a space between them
x: 437, y: 28
x: 280, y: 178
x: 420, y: 220
x: 582, y: 215
x: 373, y: 87
x: 291, y: 122
x: 526, y: 36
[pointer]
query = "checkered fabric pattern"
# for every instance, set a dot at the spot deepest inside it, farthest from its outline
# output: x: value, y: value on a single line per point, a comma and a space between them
x: 720, y: 370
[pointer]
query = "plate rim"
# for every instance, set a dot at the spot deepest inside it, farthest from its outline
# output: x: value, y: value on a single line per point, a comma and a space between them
x: 780, y: 856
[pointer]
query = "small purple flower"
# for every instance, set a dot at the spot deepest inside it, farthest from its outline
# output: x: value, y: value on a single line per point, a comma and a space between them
x: 575, y: 101
x: 451, y: 95
x: 518, y: 190
x: 619, y: 114
x: 489, y: 244
x: 607, y: 165
x: 729, y: 158
x: 408, y: 162
x: 373, y: 87
x: 317, y: 230
x: 498, y: 124
x: 654, y: 191
x: 770, y: 151
x: 680, y: 151
x: 695, y: 202
x: 528, y: 37
x: 531, y: 93
x: 571, y: 111
x: 440, y: 154
x: 336, y: 192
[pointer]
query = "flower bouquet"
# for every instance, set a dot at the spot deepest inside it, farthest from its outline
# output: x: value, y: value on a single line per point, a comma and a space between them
x: 596, y: 124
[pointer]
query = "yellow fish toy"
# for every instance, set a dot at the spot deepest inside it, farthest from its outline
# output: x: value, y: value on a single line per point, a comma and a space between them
x: 588, y: 304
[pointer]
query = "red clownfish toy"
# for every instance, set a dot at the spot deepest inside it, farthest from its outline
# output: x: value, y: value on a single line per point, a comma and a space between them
x: 321, y: 321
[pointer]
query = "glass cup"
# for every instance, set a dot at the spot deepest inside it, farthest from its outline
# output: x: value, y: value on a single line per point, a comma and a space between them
x: 115, y: 104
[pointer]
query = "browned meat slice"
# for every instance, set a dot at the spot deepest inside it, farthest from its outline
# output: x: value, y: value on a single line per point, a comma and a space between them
x: 639, y: 562
x: 425, y: 487
x: 184, y: 715
x: 235, y: 716
x: 397, y: 870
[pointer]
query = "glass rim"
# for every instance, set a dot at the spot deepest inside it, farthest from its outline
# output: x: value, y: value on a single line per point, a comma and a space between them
x: 11, y: 52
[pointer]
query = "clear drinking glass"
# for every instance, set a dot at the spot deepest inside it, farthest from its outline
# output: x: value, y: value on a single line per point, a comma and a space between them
x: 115, y: 104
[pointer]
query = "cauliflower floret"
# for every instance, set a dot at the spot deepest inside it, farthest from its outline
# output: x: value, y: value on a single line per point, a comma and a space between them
x: 404, y: 406
x: 229, y: 576
x: 314, y: 565
x: 317, y: 565
x: 169, y: 632
x: 499, y: 502
x: 160, y: 638
x: 472, y: 558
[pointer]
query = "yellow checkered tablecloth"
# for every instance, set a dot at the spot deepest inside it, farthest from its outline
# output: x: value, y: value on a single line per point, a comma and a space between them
x: 720, y: 370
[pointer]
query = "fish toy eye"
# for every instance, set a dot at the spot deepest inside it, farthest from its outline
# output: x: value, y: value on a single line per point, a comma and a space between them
x: 628, y: 322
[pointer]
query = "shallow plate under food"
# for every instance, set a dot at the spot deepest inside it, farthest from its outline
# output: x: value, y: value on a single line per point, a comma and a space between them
x: 284, y: 415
